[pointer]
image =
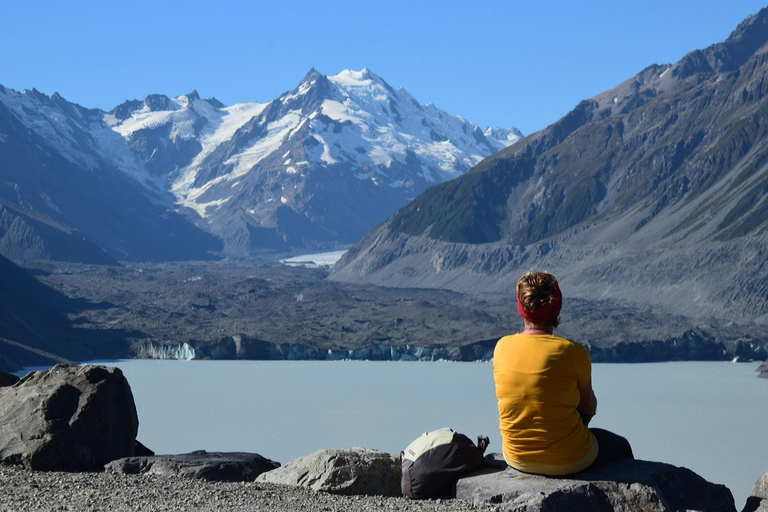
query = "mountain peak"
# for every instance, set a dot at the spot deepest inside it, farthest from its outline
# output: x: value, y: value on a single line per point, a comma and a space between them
x: 319, y: 165
x: 743, y: 43
x: 124, y: 110
x: 751, y: 29
x: 159, y: 102
x: 312, y: 74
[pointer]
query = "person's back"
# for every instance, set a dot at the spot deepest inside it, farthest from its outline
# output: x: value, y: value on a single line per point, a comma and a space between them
x: 537, y: 383
x: 544, y: 388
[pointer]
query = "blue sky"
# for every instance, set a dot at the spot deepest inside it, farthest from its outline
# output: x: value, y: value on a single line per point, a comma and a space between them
x: 499, y: 63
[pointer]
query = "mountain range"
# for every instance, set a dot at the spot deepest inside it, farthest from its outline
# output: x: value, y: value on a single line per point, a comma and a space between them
x: 654, y: 192
x: 187, y: 178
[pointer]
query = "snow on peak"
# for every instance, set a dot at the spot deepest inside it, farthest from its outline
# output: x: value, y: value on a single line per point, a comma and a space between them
x: 504, y: 136
x: 80, y: 135
x: 353, y: 78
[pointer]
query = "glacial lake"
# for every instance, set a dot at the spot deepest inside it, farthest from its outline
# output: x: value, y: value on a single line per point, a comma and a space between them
x: 708, y: 416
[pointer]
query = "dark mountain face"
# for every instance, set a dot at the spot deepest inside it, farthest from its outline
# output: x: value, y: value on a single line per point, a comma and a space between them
x: 646, y: 192
x: 25, y: 237
x: 33, y: 326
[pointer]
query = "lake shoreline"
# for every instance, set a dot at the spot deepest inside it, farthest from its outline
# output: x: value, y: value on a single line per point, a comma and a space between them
x: 260, y: 407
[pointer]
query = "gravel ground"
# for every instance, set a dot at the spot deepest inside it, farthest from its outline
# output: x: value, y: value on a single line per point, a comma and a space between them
x: 22, y: 490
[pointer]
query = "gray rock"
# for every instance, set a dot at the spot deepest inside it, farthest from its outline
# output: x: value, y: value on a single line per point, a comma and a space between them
x: 198, y: 465
x: 350, y: 471
x: 6, y: 379
x: 624, y: 485
x: 758, y: 500
x: 69, y: 418
x: 761, y: 487
x: 763, y: 369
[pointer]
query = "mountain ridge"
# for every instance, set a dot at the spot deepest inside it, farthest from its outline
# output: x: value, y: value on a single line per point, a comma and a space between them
x: 317, y: 167
x: 257, y: 183
x: 662, y: 178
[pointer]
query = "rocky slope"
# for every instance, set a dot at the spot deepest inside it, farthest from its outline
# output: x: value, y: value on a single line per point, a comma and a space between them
x: 38, y: 324
x: 33, y: 327
x: 655, y: 192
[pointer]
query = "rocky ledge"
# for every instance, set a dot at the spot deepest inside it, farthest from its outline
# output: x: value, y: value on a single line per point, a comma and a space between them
x: 622, y: 485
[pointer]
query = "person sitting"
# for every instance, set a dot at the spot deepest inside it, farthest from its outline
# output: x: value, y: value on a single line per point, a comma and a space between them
x: 544, y: 387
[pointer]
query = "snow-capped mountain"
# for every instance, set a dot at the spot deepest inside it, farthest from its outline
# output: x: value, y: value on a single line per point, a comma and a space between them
x: 70, y: 189
x: 320, y: 165
x: 317, y: 167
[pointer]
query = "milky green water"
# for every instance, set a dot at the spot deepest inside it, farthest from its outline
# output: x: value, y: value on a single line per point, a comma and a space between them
x: 708, y: 416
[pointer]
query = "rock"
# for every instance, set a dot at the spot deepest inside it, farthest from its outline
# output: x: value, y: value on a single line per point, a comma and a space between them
x: 623, y: 485
x: 758, y: 500
x: 6, y: 379
x: 761, y: 487
x: 139, y: 450
x: 69, y: 418
x: 350, y: 471
x: 198, y: 465
x: 763, y: 369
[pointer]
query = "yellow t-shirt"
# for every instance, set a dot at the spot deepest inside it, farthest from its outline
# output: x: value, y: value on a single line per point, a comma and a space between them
x: 537, y: 383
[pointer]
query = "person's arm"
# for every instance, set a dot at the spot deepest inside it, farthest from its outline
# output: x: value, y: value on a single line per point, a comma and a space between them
x: 588, y: 402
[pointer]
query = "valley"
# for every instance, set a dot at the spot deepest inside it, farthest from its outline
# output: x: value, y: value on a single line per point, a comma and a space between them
x: 261, y: 309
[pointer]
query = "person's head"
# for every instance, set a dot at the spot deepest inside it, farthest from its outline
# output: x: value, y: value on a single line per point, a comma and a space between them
x: 539, y: 299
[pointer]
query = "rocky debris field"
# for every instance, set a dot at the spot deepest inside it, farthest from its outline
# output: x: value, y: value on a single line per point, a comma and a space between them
x: 22, y: 489
x: 204, y: 304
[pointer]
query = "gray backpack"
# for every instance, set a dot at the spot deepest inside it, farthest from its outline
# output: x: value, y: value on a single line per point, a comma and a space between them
x: 433, y: 463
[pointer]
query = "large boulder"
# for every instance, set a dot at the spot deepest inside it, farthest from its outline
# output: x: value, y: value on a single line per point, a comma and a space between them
x: 350, y: 471
x: 69, y: 418
x: 758, y: 500
x: 199, y: 465
x: 622, y: 485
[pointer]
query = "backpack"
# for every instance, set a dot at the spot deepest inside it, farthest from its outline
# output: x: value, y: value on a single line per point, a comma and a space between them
x: 434, y: 462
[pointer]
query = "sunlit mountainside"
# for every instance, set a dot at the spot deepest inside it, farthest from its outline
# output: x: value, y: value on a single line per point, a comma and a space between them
x: 654, y: 192
x: 188, y: 178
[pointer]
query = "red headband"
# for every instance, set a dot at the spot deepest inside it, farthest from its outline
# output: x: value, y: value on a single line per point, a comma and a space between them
x: 544, y: 313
